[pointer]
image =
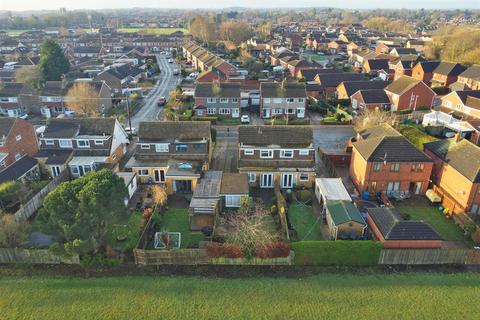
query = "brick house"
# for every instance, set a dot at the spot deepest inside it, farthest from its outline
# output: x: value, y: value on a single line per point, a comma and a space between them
x: 456, y: 173
x: 83, y: 144
x: 217, y: 98
x: 446, y: 73
x: 18, y: 99
x: 277, y: 155
x: 388, y: 226
x: 464, y: 104
x: 53, y: 98
x: 469, y: 79
x: 347, y: 88
x: 285, y: 99
x: 370, y: 99
x: 17, y: 139
x: 173, y: 154
x: 385, y: 161
x: 407, y: 93
x: 423, y: 71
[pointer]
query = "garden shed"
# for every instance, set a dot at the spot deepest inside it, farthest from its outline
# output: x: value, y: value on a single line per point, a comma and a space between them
x: 234, y: 189
x: 344, y: 220
x: 330, y: 189
x: 205, y: 203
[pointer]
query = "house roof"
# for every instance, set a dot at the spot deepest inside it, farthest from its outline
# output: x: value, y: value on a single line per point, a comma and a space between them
x: 309, y: 74
x: 463, y: 156
x: 300, y: 136
x: 6, y: 124
x: 381, y: 130
x: 465, y: 94
x: 334, y: 79
x: 377, y: 64
x: 374, y: 96
x: 343, y: 211
x: 449, y: 69
x: 17, y: 169
x: 68, y: 128
x: 472, y: 72
x: 428, y: 66
x: 390, y: 149
x: 402, y: 84
x: 353, y: 86
x: 285, y: 90
x: 234, y: 183
x: 169, y: 131
x: 391, y: 225
x: 223, y: 90
x: 11, y: 89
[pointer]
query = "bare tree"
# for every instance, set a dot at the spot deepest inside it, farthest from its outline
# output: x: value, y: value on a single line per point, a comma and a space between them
x: 235, y: 31
x: 371, y: 118
x: 30, y: 75
x: 202, y: 29
x: 159, y: 196
x: 83, y: 99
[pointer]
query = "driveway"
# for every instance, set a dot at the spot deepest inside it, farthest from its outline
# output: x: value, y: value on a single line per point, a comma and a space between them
x: 225, y: 155
x: 165, y: 84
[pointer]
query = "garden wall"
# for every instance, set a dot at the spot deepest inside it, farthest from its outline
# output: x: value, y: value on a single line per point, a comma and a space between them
x: 34, y: 256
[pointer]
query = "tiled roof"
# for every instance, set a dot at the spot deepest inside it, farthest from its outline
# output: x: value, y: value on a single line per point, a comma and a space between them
x: 6, y: 125
x: 343, y: 211
x: 285, y: 90
x: 17, y: 169
x: 402, y: 84
x: 226, y: 90
x: 275, y: 135
x: 472, y: 72
x: 374, y: 96
x: 390, y: 149
x: 171, y: 131
x: 449, y: 68
x: 353, y: 86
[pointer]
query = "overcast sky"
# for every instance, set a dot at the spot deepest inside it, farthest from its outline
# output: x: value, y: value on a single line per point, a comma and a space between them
x: 99, y: 4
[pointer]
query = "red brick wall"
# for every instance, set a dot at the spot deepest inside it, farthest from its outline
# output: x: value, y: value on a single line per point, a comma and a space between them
x: 26, y: 146
x: 425, y: 98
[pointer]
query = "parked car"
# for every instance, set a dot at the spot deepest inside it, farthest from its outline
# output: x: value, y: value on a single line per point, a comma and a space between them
x: 131, y: 131
x: 161, y: 102
x: 245, y: 119
x: 170, y: 60
x: 176, y: 72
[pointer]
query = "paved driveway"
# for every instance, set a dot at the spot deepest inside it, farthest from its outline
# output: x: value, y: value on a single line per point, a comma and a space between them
x: 225, y: 155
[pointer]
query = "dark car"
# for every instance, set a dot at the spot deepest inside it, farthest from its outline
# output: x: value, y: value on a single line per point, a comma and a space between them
x: 161, y: 102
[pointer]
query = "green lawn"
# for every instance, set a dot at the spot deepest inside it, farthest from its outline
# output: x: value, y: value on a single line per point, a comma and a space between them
x: 15, y: 32
x: 177, y: 220
x: 154, y: 31
x: 445, y: 227
x: 326, y: 296
x: 125, y: 234
x: 415, y: 135
x: 304, y: 222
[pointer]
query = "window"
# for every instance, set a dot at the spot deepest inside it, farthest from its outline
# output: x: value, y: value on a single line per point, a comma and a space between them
x: 224, y: 111
x: 234, y: 99
x: 99, y: 142
x: 223, y: 100
x: 301, y: 100
x: 181, y: 148
x: 185, y: 166
x: 83, y: 143
x: 303, y: 152
x: 1, y: 143
x: 290, y: 111
x: 211, y: 110
x: 161, y: 147
x: 266, y: 153
x: 143, y: 172
x: 248, y: 152
x: 49, y: 142
x: 144, y: 146
x: 277, y: 100
x: 18, y: 156
x: 277, y: 111
x: 65, y: 143
x: 266, y: 100
x: 303, y: 176
x: 417, y: 167
x: 286, y: 153
x: 395, y: 167
x: 251, y: 177
x: 289, y: 100
x: 232, y: 201
x: 114, y: 156
x: 74, y: 169
x: 18, y: 137
x: 377, y: 166
x: 211, y: 100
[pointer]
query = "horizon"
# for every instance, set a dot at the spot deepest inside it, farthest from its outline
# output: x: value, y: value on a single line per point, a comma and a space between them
x: 31, y: 5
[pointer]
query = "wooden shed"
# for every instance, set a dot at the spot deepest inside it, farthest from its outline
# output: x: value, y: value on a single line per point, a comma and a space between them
x: 344, y: 220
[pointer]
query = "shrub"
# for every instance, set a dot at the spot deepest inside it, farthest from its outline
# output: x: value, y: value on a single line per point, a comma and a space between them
x: 304, y: 195
x: 282, y: 209
x: 274, y: 250
x: 213, y: 120
x: 224, y: 250
x: 340, y: 252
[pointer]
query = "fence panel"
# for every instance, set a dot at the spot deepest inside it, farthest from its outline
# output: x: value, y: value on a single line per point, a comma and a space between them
x: 34, y: 256
x: 27, y: 210
x: 425, y: 256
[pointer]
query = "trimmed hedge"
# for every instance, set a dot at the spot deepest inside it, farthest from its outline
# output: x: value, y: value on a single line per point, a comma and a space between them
x: 212, y: 119
x: 340, y: 252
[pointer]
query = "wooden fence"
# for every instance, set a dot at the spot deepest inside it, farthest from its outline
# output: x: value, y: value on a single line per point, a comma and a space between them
x: 413, y: 116
x: 28, y: 209
x: 199, y: 257
x: 34, y: 256
x: 429, y: 256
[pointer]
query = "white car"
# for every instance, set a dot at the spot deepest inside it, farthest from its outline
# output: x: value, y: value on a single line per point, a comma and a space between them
x: 245, y: 119
x: 170, y: 60
x: 131, y: 131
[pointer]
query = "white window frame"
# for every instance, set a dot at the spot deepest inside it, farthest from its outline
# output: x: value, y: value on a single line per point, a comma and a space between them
x: 303, y: 152
x: 141, y: 172
x: 18, y: 137
x: 290, y: 100
x: 248, y: 152
x: 86, y: 141
x: 233, y: 201
x: 75, y: 170
x: 223, y: 111
x: 211, y: 100
x: 211, y: 110
x: 266, y: 100
x: 161, y: 147
x: 302, y: 100
x: 234, y: 99
x: 223, y: 100
x: 252, y: 177
x: 99, y: 142
x: 145, y: 146
x: 49, y: 142
x: 65, y: 143
x: 284, y: 151
x: 303, y: 177
x: 18, y: 156
x: 270, y: 154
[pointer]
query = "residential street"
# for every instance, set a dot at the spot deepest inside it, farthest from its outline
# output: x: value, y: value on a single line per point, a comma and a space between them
x: 165, y: 84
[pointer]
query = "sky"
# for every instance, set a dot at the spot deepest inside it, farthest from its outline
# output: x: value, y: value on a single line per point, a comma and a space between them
x: 18, y: 5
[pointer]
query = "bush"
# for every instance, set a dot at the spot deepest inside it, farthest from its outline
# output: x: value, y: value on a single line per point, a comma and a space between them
x: 340, y: 252
x: 99, y: 261
x: 304, y: 195
x: 224, y: 250
x: 274, y: 250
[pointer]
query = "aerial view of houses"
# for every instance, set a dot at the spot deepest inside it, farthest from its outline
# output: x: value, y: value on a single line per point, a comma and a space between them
x: 160, y: 162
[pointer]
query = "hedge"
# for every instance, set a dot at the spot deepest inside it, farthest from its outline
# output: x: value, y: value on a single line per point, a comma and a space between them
x: 213, y: 120
x: 340, y: 252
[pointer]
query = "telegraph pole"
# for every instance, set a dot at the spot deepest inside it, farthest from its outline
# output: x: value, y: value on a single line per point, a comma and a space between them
x: 128, y: 110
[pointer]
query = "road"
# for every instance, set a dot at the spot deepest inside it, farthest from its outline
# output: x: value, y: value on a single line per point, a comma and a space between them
x: 165, y: 84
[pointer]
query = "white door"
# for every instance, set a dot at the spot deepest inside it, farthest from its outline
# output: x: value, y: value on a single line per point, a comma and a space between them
x: 267, y: 180
x: 266, y: 113
x: 235, y: 113
x: 418, y: 187
x: 287, y: 181
x: 300, y: 113
x: 55, y: 171
x: 393, y: 186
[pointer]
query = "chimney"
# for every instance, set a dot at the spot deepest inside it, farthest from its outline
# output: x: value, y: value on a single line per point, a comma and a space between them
x: 458, y: 137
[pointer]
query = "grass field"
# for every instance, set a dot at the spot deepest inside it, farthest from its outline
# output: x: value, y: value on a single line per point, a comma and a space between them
x: 327, y: 296
x: 154, y: 31
x: 304, y: 223
x: 177, y: 220
x: 15, y: 32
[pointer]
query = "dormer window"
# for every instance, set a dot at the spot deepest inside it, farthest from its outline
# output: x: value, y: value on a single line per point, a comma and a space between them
x: 145, y: 146
x: 83, y: 143
x: 99, y: 142
x: 266, y: 154
x: 49, y: 142
x: 185, y: 166
x: 65, y: 143
x: 286, y: 153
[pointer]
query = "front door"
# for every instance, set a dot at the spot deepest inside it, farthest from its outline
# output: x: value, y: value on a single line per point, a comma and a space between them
x: 287, y: 180
x: 159, y: 176
x: 266, y: 113
x: 300, y: 113
x: 393, y: 186
x: 235, y: 113
x: 267, y: 180
x: 55, y: 171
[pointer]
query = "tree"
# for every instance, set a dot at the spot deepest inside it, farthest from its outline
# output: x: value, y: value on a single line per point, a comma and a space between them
x: 53, y: 63
x: 449, y: 45
x: 9, y: 193
x: 81, y: 213
x: 235, y: 31
x: 248, y: 228
x: 30, y: 75
x: 82, y: 98
x: 371, y: 118
x: 202, y: 29
x: 13, y: 233
x: 159, y: 196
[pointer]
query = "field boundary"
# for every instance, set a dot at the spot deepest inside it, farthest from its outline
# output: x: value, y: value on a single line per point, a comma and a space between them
x: 34, y: 256
x: 429, y: 257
